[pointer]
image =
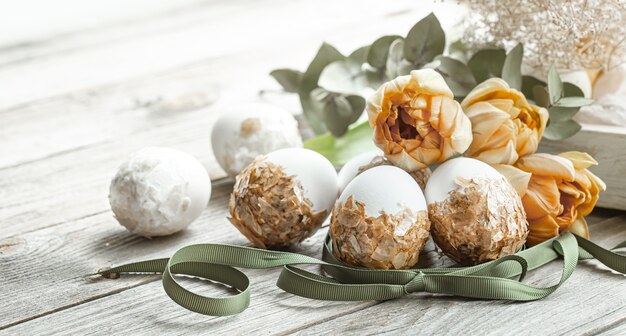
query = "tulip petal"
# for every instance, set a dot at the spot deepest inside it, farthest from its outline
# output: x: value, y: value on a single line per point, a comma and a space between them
x: 503, y: 155
x: 430, y: 82
x: 541, y: 229
x: 580, y: 227
x: 542, y: 198
x: 581, y: 160
x: 518, y: 178
x: 484, y: 89
x: 547, y: 165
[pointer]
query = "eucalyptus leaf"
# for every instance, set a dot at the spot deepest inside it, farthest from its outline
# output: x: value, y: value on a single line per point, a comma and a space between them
x: 555, y: 85
x: 573, y: 102
x: 425, y: 41
x: 512, y: 68
x: 487, y: 63
x: 379, y: 51
x: 345, y: 76
x: 561, y: 130
x: 458, y: 50
x: 357, y: 140
x: 542, y: 97
x: 325, y: 55
x: 337, y: 110
x: 289, y: 79
x: 396, y: 65
x: 571, y: 90
x: 560, y: 114
x: 528, y: 84
x: 357, y: 103
x: 360, y: 55
x: 457, y: 75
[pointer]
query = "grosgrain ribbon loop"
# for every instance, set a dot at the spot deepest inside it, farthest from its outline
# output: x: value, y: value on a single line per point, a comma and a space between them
x: 492, y: 280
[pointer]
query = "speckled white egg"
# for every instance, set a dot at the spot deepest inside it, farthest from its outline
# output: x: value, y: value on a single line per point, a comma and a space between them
x: 283, y: 197
x: 380, y: 220
x: 245, y: 131
x: 476, y: 215
x: 159, y: 191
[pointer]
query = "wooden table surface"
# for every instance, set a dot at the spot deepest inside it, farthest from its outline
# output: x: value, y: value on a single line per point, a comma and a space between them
x: 83, y: 84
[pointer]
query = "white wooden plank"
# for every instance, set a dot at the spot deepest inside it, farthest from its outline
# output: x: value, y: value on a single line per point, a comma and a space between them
x: 147, y: 309
x: 607, y: 145
x: 210, y: 36
x: 618, y: 330
x: 21, y: 21
x: 592, y: 299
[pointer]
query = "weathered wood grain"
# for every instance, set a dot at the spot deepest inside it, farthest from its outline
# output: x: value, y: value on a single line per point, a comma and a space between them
x: 593, y: 299
x: 147, y: 308
x: 607, y: 144
x: 618, y: 330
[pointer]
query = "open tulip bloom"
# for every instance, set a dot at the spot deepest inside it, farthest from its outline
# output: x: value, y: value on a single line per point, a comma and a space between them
x: 557, y: 192
x: 417, y: 122
x: 505, y: 126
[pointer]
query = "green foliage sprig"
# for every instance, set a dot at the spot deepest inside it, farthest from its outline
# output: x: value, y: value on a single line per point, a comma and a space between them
x: 332, y: 88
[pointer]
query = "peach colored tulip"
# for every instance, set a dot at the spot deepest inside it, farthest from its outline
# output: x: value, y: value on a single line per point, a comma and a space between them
x: 560, y: 192
x: 505, y: 126
x: 416, y: 120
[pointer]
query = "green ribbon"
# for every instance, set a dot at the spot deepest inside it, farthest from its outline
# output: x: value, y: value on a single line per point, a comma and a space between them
x: 492, y: 280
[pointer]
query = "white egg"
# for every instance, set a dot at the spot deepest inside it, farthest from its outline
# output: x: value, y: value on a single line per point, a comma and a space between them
x: 385, y: 188
x: 443, y: 179
x: 283, y: 197
x: 315, y: 173
x: 159, y: 191
x: 352, y: 168
x: 248, y: 130
x: 380, y: 220
x: 476, y: 215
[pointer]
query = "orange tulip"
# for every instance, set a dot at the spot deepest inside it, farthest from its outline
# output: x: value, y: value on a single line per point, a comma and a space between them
x: 504, y: 125
x: 559, y: 192
x: 417, y: 122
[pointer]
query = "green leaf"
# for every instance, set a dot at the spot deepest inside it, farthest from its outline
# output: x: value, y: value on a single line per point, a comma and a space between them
x: 542, y: 98
x: 325, y: 55
x: 571, y: 90
x: 396, y: 65
x: 561, y: 130
x: 560, y: 114
x: 555, y: 85
x: 289, y: 79
x: 528, y: 84
x: 360, y: 55
x: 425, y: 41
x: 457, y: 75
x: 337, y: 110
x: 487, y: 63
x: 357, y: 140
x: 345, y: 76
x: 573, y: 102
x: 379, y: 51
x: 512, y: 68
x: 459, y: 50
